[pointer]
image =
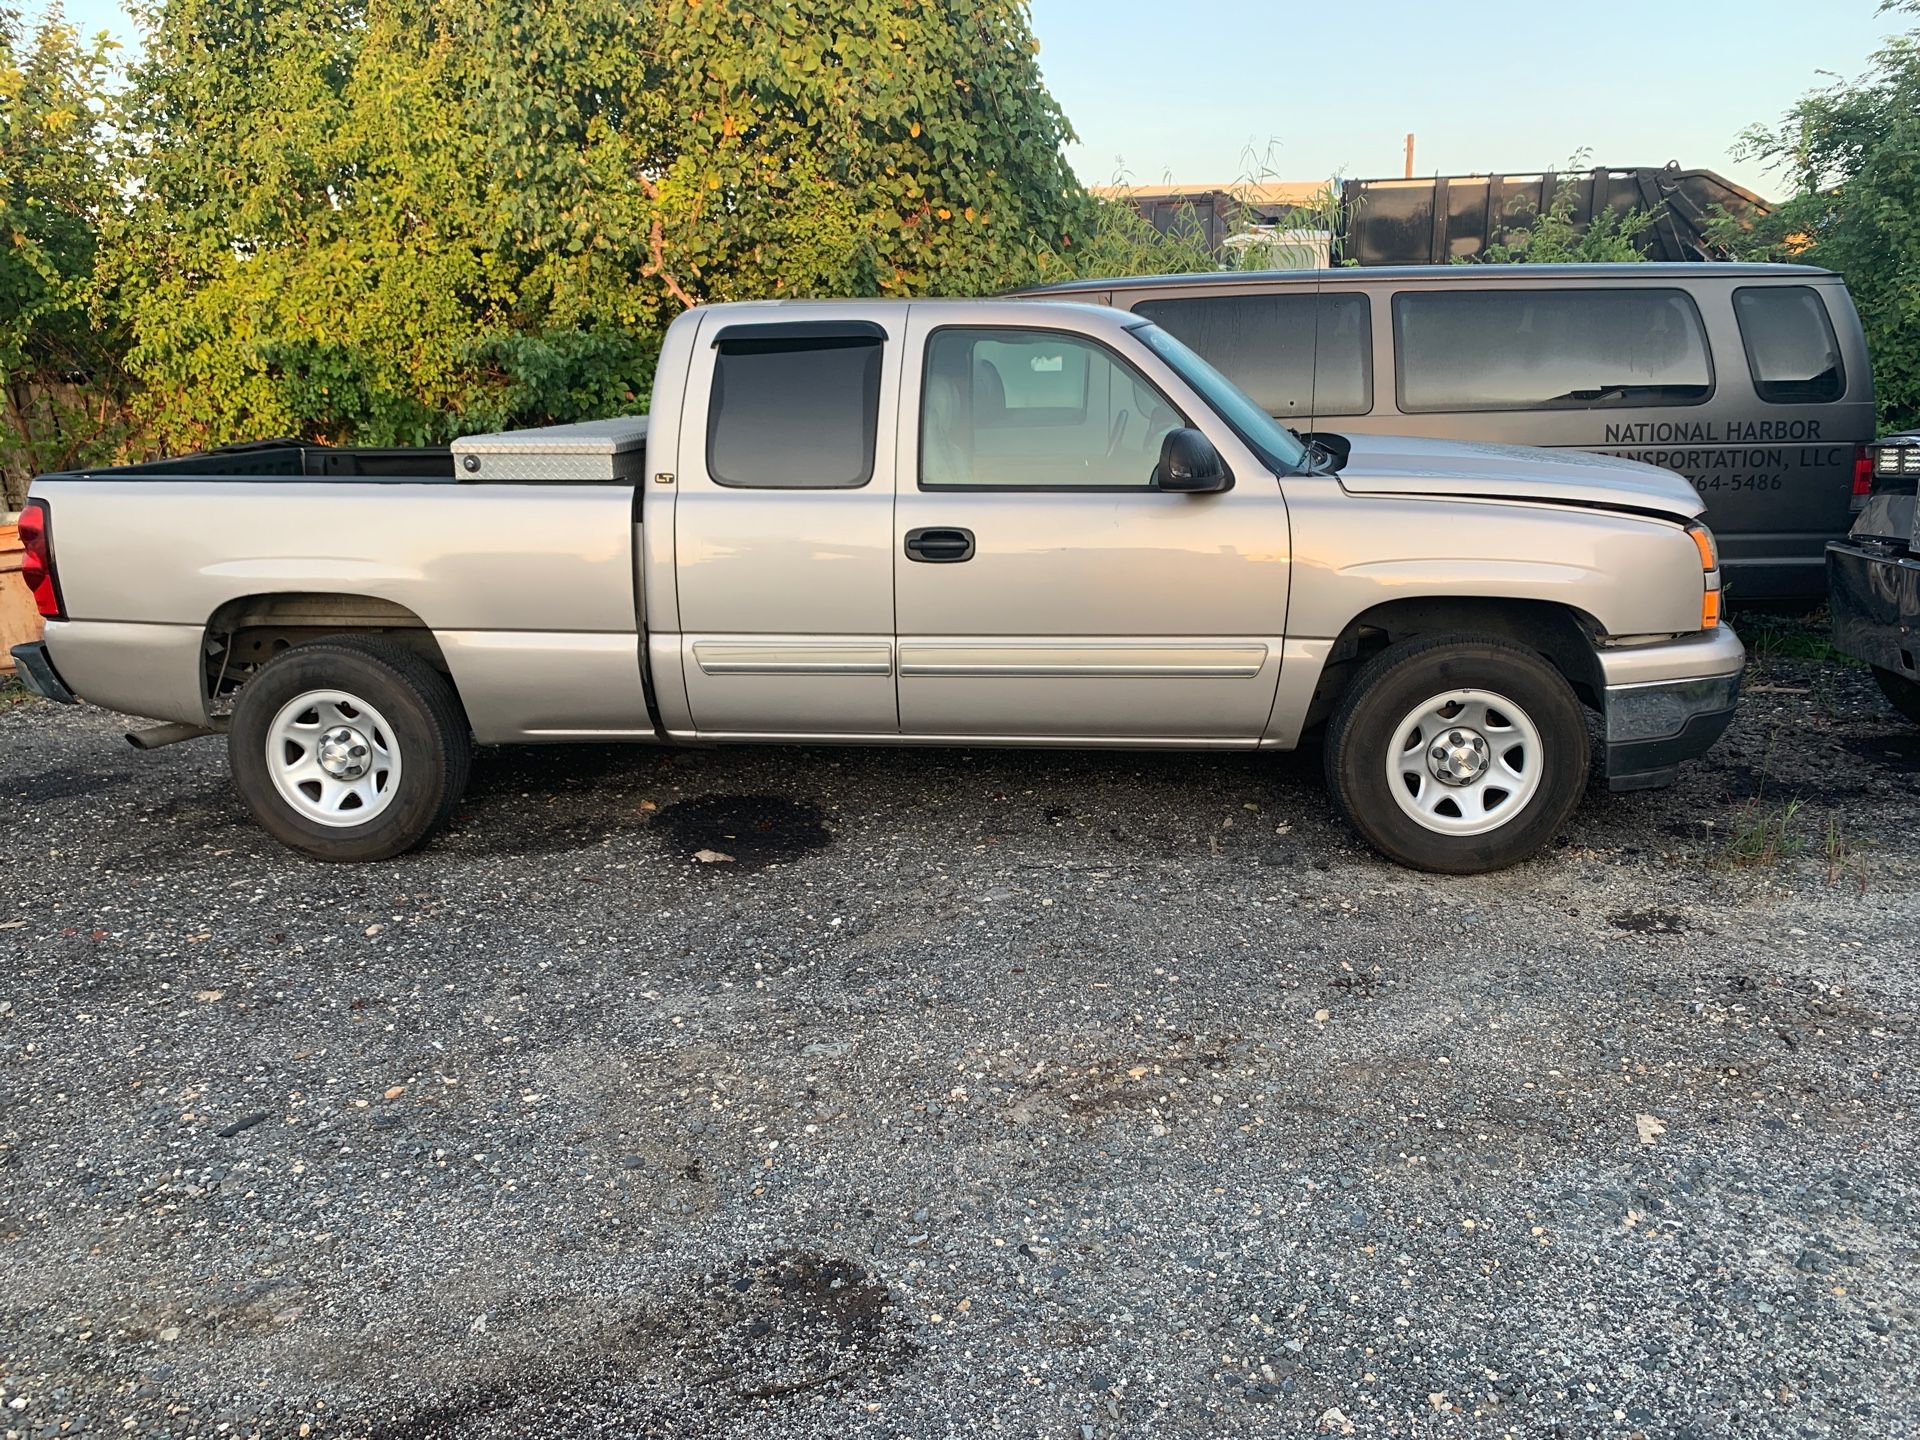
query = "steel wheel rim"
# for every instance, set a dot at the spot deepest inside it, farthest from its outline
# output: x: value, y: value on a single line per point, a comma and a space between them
x: 1448, y: 736
x: 333, y: 758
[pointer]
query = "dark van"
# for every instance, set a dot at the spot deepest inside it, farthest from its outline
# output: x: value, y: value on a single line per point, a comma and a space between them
x: 1750, y: 380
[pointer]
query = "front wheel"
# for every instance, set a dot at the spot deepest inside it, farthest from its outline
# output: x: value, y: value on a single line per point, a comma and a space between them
x: 1457, y: 754
x: 347, y: 749
x: 1904, y: 693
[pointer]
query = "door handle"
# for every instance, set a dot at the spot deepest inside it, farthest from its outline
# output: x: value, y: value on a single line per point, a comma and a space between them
x: 940, y: 545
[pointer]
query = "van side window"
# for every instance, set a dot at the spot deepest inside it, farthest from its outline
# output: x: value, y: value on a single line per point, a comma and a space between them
x: 1036, y: 410
x: 794, y: 414
x: 1790, y: 346
x: 1296, y: 356
x: 1541, y: 349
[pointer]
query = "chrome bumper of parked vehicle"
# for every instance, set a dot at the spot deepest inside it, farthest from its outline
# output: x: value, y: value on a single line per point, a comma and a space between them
x: 36, y: 672
x: 1874, y: 591
x: 1657, y: 719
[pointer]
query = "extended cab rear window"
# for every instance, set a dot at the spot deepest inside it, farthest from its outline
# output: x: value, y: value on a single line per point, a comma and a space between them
x: 794, y: 413
x: 1790, y: 346
x: 1297, y: 356
x: 1535, y: 348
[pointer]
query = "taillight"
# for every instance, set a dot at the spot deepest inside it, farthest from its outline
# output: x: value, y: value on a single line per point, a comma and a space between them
x: 36, y: 563
x: 1893, y: 464
x: 1862, y: 476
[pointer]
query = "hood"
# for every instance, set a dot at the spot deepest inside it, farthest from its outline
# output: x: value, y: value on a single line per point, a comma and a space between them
x: 1403, y: 465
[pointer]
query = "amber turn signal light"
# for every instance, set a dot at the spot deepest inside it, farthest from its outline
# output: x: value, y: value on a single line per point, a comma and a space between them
x: 1703, y: 542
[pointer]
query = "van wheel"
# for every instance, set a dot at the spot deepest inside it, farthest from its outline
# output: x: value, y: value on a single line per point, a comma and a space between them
x: 346, y: 749
x: 1458, y: 754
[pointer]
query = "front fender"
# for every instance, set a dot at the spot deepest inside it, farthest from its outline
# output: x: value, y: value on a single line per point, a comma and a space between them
x: 1634, y: 575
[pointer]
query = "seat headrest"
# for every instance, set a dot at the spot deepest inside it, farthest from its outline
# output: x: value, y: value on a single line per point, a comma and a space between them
x: 943, y: 403
x: 989, y: 391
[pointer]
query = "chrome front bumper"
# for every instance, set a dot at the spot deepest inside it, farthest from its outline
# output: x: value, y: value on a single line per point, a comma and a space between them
x: 1667, y: 703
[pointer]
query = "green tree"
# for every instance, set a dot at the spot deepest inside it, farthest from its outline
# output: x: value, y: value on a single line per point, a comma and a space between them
x: 60, y: 350
x: 388, y: 221
x: 1852, y: 154
x: 301, y: 258
x: 860, y: 146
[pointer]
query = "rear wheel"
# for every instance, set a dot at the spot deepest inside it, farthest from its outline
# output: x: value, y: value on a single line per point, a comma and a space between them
x: 347, y: 749
x: 1904, y: 693
x: 1457, y: 754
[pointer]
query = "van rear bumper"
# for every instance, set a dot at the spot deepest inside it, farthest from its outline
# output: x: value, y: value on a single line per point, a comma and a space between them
x: 1667, y: 704
x: 1775, y: 577
x: 1779, y: 565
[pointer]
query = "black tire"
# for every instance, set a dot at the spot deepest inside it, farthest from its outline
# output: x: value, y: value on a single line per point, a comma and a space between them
x: 429, y: 735
x: 1904, y: 694
x: 1362, y: 730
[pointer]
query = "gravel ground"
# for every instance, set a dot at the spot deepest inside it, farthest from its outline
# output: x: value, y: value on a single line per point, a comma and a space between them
x: 979, y: 1092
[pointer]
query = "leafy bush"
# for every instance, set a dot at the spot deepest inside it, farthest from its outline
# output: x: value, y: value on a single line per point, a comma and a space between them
x: 360, y: 220
x: 60, y: 342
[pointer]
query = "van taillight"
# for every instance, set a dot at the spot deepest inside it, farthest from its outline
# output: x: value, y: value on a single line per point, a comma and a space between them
x: 36, y: 563
x: 1862, y: 475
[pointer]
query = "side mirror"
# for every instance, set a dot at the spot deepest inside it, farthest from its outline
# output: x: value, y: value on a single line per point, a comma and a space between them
x: 1190, y: 465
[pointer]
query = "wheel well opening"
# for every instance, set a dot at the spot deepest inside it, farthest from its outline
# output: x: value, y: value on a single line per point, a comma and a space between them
x: 246, y: 633
x: 1563, y: 636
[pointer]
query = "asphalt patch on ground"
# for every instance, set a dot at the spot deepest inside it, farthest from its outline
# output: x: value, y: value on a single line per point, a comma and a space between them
x: 750, y: 1334
x: 754, y: 832
x: 1649, y: 922
x: 799, y: 1320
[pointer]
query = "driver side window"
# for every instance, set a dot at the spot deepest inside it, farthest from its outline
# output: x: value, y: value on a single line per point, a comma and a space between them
x: 1036, y: 410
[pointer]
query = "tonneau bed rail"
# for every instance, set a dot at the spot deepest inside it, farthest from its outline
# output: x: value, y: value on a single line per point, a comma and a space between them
x: 587, y: 452
x: 286, y: 460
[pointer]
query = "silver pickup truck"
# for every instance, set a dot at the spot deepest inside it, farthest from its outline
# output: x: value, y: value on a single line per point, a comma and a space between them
x: 938, y: 522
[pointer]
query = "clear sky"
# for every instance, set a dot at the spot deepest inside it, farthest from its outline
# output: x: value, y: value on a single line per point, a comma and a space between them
x: 1184, y: 90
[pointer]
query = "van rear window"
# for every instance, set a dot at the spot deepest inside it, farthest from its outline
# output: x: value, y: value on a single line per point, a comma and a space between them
x: 1790, y: 346
x: 1534, y: 348
x: 1297, y: 356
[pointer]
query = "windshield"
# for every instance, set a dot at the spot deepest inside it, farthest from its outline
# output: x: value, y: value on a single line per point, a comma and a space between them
x: 1269, y: 439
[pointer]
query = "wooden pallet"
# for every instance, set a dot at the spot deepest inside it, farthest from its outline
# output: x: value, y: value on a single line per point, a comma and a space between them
x: 19, y: 617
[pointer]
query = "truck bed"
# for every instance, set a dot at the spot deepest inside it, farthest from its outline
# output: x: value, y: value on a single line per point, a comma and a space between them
x: 525, y: 571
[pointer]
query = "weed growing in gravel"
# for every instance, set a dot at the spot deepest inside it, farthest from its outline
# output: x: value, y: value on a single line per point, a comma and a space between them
x: 1763, y: 835
x: 1845, y: 857
x: 1788, y: 637
x: 13, y: 693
